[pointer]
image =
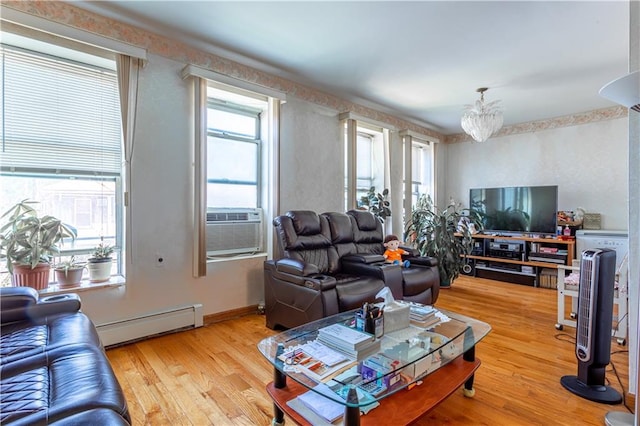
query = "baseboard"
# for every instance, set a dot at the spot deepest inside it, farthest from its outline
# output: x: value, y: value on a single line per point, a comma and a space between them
x: 153, y: 324
x: 227, y: 315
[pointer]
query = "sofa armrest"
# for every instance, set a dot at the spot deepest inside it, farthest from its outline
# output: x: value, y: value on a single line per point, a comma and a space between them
x: 413, y: 252
x: 422, y: 260
x: 296, y: 267
x: 23, y: 305
x: 366, y: 258
x: 17, y: 297
x: 300, y: 274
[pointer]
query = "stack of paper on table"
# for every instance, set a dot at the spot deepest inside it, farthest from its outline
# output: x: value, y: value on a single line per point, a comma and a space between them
x: 315, y: 360
x: 423, y: 316
x: 322, y: 405
x: 321, y: 410
x: 357, y: 344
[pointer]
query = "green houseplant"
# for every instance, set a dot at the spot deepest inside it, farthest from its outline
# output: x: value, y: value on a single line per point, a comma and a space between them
x: 443, y: 234
x: 69, y: 272
x: 100, y: 263
x: 377, y: 203
x: 28, y: 242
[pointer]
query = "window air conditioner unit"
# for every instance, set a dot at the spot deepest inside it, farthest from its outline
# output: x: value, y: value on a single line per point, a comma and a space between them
x: 233, y: 231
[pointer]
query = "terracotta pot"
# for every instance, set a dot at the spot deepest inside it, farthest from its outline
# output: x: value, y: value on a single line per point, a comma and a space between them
x: 38, y: 277
x: 69, y: 278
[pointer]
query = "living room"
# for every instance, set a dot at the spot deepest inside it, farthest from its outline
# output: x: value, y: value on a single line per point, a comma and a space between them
x: 585, y: 154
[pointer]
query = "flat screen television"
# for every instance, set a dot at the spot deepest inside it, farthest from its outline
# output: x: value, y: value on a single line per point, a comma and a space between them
x: 517, y: 209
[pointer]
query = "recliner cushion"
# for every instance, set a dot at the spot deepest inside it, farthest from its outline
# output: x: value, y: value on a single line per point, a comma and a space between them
x: 341, y: 231
x: 305, y: 236
x: 367, y: 232
x: 23, y: 338
x: 354, y: 291
x: 58, y: 383
x: 365, y: 220
x: 305, y: 222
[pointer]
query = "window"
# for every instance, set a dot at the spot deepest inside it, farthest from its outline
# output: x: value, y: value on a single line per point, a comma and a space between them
x: 369, y: 162
x: 236, y: 127
x: 421, y: 170
x: 61, y: 140
x: 233, y: 132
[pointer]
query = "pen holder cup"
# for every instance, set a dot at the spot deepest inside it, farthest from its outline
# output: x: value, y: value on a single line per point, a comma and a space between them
x: 375, y: 326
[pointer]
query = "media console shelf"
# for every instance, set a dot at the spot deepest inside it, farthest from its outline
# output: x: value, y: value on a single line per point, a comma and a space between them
x: 518, y: 259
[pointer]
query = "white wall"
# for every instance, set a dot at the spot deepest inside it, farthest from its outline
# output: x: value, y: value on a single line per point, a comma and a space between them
x: 311, y: 158
x: 588, y: 162
x: 162, y: 208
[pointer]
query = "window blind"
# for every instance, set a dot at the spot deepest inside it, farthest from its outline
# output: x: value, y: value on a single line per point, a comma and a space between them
x: 59, y: 116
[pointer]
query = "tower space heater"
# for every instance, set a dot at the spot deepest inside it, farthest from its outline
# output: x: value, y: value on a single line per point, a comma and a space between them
x: 593, y: 328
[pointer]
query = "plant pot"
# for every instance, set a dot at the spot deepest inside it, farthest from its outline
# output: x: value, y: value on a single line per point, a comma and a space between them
x: 99, y: 270
x: 38, y: 277
x: 445, y: 283
x: 70, y: 277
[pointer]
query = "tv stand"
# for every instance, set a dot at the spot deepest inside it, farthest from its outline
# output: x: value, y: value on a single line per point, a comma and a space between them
x: 518, y: 258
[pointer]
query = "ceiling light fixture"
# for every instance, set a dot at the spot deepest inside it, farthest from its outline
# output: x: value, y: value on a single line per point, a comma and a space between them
x: 624, y: 91
x: 482, y: 120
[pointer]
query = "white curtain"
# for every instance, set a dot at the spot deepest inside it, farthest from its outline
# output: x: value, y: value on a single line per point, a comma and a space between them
x: 128, y: 69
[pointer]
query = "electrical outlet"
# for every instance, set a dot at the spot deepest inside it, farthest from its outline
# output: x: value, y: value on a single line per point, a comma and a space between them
x: 160, y: 260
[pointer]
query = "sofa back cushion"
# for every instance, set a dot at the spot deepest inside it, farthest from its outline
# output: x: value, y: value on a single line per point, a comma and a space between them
x: 304, y: 235
x: 341, y: 231
x: 368, y: 235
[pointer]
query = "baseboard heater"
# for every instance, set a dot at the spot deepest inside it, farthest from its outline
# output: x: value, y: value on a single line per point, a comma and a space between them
x: 128, y: 330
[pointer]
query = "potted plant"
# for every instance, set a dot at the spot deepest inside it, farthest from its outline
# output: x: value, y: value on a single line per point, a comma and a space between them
x: 69, y: 272
x: 377, y: 203
x: 445, y: 235
x: 100, y: 263
x: 28, y: 242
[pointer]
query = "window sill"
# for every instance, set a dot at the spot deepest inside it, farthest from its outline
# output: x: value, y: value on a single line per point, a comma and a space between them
x: 85, y: 285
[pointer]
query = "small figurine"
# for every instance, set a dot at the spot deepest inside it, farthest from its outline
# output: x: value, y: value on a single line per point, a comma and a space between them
x: 393, y: 253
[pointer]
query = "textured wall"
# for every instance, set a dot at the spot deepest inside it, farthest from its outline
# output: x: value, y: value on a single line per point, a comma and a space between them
x: 588, y: 162
x: 311, y: 158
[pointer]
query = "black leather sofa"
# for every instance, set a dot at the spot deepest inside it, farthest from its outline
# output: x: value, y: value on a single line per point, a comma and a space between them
x: 53, y: 368
x: 332, y: 262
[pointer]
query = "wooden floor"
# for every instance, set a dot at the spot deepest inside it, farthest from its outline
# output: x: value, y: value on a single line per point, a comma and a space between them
x: 215, y: 375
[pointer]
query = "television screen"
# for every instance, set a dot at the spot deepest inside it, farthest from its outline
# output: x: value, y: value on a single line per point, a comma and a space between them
x: 519, y: 209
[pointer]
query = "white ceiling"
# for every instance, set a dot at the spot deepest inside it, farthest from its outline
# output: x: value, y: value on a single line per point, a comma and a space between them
x: 421, y: 60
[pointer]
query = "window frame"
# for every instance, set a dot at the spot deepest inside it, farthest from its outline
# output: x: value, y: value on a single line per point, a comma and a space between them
x: 53, y: 57
x: 217, y: 133
x: 410, y: 140
x: 353, y: 130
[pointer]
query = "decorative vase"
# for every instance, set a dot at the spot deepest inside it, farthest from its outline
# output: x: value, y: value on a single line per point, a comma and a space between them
x: 70, y: 277
x: 99, y: 270
x: 25, y: 276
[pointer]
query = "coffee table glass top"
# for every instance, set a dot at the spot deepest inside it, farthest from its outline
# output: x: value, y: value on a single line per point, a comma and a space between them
x: 397, y: 360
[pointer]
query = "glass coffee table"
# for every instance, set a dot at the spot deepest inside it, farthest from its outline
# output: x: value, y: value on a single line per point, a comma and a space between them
x: 400, y: 377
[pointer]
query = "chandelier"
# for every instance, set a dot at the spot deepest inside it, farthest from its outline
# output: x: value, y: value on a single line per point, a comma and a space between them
x: 482, y: 120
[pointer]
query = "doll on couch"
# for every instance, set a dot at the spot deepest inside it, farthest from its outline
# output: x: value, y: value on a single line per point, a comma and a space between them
x: 393, y: 253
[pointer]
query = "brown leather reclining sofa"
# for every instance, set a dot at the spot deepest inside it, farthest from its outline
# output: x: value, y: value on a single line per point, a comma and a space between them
x: 332, y: 262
